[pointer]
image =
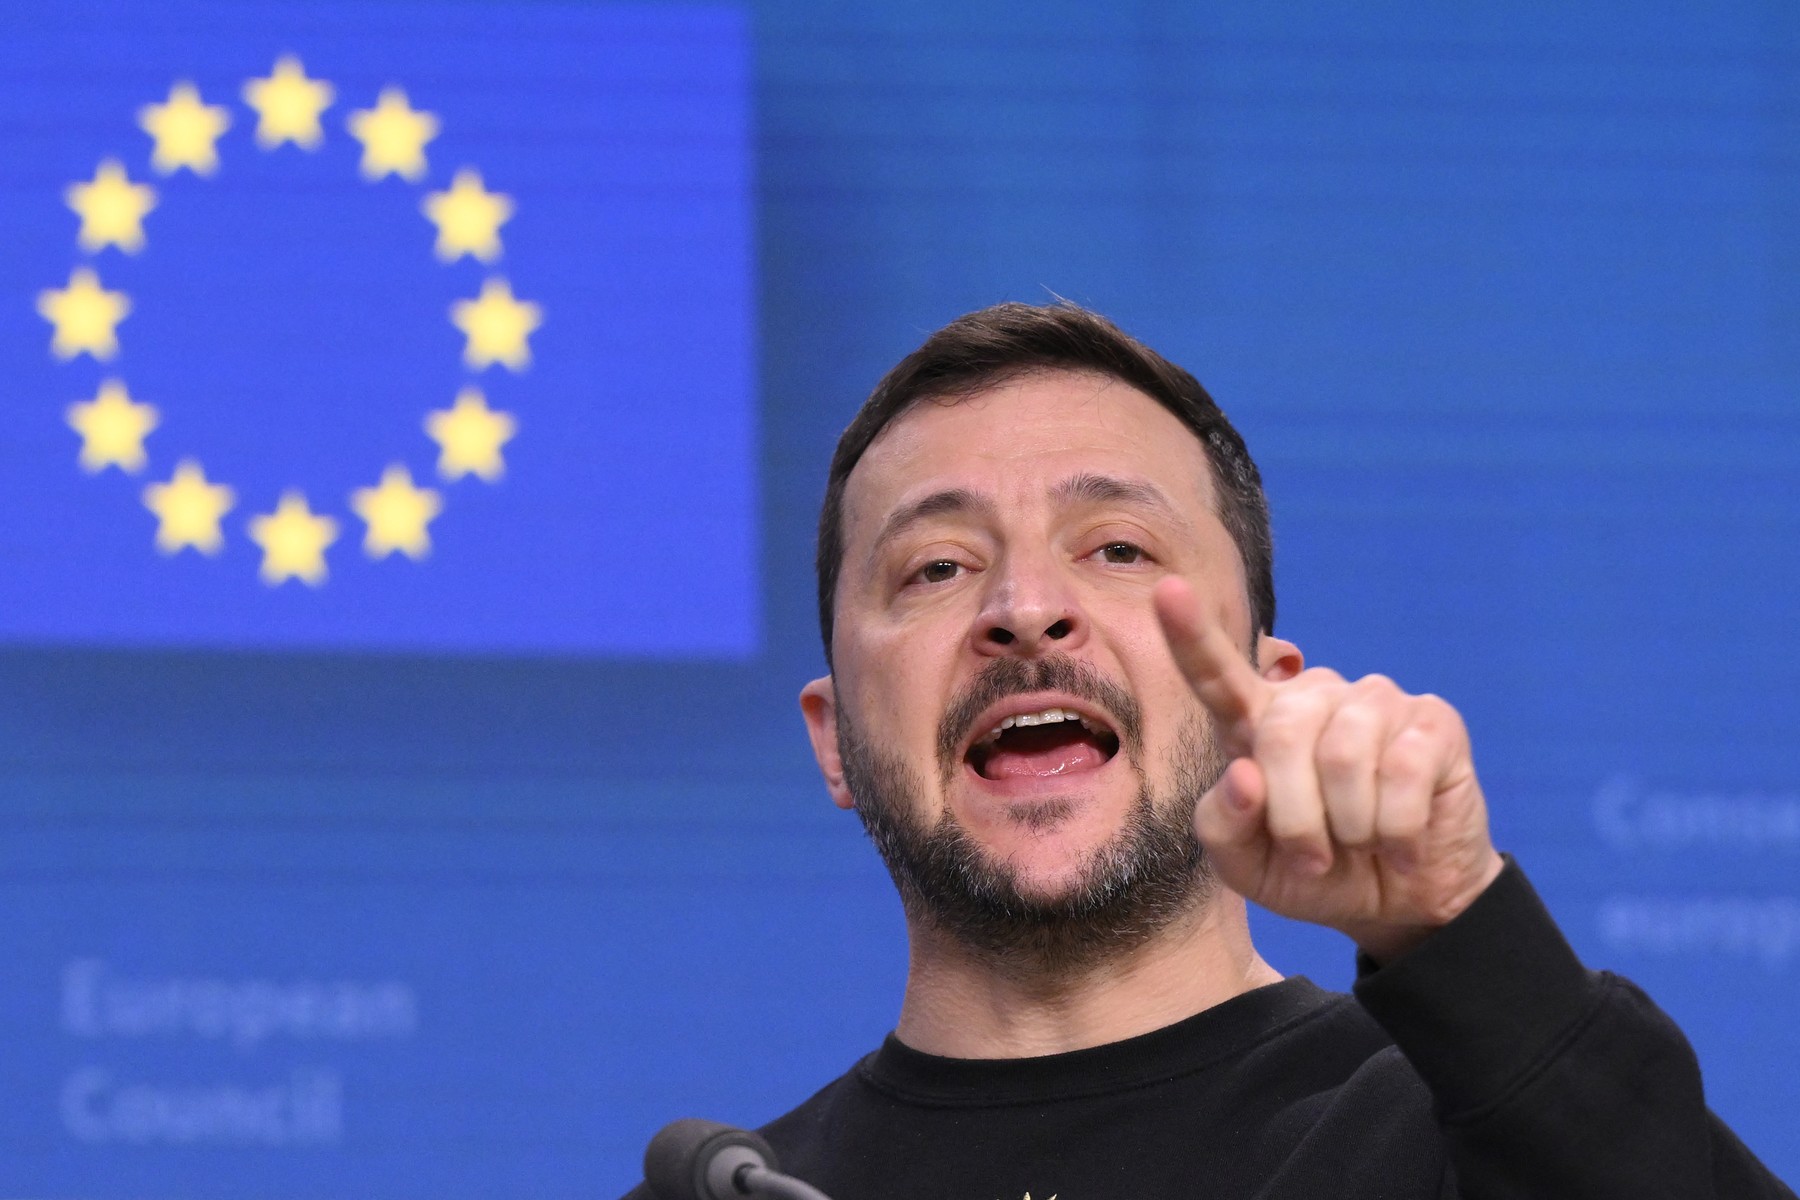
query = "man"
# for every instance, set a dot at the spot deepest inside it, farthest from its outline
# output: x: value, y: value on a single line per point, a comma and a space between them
x: 1057, y: 703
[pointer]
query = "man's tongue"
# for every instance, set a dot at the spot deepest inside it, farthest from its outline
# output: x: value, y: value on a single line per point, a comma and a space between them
x: 1043, y: 750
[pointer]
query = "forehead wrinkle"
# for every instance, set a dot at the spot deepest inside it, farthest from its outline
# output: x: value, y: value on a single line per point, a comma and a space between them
x: 946, y: 502
x: 1090, y: 487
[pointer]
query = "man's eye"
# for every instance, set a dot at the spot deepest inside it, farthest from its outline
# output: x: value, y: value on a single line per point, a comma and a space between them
x: 1121, y: 552
x: 938, y: 572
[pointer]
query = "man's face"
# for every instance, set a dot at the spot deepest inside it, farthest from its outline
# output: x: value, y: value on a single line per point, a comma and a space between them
x: 999, y: 672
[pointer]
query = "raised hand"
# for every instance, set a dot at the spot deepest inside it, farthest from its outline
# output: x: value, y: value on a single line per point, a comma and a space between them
x: 1347, y: 804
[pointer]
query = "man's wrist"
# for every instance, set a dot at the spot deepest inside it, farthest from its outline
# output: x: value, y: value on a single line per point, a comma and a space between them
x: 1383, y: 942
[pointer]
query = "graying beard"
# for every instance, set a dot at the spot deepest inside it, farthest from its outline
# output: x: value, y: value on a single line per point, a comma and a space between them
x: 1146, y: 876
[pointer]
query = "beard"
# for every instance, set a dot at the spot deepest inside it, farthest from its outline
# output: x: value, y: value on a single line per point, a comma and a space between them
x: 1148, y: 874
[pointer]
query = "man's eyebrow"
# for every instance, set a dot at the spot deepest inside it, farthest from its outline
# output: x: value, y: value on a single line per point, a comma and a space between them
x: 949, y: 502
x: 1090, y: 488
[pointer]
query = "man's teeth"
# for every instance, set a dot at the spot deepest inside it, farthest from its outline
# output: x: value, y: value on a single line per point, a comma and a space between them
x: 1047, y: 717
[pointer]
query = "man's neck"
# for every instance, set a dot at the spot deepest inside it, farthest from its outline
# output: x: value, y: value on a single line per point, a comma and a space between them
x: 961, y: 1005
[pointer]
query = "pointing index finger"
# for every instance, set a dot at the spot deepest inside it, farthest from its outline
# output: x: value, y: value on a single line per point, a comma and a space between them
x: 1215, y: 666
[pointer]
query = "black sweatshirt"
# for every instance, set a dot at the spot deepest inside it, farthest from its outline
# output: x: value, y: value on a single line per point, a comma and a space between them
x: 1485, y: 1063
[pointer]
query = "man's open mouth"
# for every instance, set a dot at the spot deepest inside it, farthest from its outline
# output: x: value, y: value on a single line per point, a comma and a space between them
x: 1048, y: 742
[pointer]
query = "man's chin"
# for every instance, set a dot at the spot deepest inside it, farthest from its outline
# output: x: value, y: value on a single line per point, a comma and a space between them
x: 1046, y: 889
x: 1044, y: 864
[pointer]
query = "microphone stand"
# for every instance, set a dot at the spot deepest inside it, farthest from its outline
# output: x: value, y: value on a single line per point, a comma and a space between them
x: 692, y: 1159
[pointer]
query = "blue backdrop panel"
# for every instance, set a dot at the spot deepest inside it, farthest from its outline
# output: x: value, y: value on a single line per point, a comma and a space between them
x: 408, y: 990
x: 293, y: 313
x: 1506, y: 301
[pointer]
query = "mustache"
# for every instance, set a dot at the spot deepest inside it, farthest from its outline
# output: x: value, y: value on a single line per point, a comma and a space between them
x: 1053, y: 673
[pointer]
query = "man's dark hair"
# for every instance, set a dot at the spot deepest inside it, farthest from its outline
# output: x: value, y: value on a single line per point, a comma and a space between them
x: 988, y: 347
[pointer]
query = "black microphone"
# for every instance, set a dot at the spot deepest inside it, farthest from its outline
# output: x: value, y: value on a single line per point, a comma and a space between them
x: 691, y: 1159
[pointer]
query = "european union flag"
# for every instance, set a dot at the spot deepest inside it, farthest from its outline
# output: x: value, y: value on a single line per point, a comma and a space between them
x: 423, y: 327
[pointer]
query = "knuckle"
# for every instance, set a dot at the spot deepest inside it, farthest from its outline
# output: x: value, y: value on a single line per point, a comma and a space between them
x: 1278, y: 736
x: 1290, y: 723
x: 1377, y: 685
x: 1342, y: 753
x: 1319, y: 677
x: 1436, y: 713
x: 1351, y: 740
x: 1407, y: 757
x: 1399, y: 825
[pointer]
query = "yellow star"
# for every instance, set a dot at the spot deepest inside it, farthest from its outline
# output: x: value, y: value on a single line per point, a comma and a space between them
x: 288, y: 105
x: 470, y: 436
x: 85, y: 314
x: 188, y: 509
x: 185, y: 131
x: 397, y: 513
x: 293, y: 539
x: 112, y: 429
x: 393, y: 134
x: 496, y: 325
x: 111, y: 209
x: 468, y: 218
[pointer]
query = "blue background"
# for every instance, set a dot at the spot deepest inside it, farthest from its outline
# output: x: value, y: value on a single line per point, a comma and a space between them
x: 1506, y: 299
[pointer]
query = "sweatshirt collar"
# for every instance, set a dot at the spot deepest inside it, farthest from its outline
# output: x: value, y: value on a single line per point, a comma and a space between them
x: 1223, y: 1031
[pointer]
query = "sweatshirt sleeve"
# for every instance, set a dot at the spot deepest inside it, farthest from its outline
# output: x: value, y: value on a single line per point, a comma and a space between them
x: 1550, y: 1079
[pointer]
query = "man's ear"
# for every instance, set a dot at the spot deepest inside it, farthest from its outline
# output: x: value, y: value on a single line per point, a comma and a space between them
x: 1277, y: 658
x: 818, y: 704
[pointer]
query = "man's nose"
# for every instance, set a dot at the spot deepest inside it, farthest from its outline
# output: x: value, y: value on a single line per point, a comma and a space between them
x: 1030, y: 607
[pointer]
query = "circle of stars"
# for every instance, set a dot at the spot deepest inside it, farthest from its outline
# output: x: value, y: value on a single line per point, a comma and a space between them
x: 84, y: 315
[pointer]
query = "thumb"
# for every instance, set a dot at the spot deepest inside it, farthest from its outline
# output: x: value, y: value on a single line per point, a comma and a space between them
x: 1229, y: 821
